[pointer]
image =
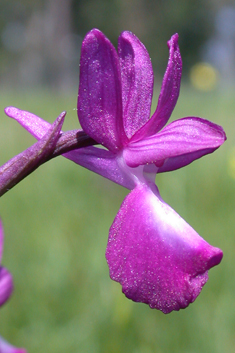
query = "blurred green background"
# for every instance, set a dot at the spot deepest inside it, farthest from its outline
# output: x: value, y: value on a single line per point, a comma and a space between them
x: 57, y: 220
x: 56, y: 227
x: 40, y: 40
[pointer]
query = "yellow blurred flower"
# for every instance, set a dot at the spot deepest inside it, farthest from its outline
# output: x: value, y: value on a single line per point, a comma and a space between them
x: 231, y: 163
x: 204, y: 76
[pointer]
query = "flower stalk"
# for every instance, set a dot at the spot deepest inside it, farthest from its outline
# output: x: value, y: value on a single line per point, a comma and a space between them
x: 53, y: 144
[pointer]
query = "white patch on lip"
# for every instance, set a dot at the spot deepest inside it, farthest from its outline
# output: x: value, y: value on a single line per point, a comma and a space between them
x: 143, y: 174
x: 169, y: 223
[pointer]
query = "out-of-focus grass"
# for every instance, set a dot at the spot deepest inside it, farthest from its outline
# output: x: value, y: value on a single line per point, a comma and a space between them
x: 56, y: 227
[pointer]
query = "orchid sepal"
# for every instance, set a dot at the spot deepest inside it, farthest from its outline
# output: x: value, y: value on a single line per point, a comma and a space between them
x: 100, y: 91
x: 190, y: 136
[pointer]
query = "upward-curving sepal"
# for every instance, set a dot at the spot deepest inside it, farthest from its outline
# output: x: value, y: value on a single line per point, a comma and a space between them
x: 137, y: 82
x: 100, y: 96
x: 155, y: 255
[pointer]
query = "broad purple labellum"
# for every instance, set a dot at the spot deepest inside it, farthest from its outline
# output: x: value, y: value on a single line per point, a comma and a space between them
x: 155, y: 255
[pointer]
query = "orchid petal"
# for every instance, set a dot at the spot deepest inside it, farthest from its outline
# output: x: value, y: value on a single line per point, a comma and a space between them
x: 137, y: 82
x: 169, y: 92
x: 187, y: 139
x: 155, y: 255
x: 6, y: 347
x: 102, y: 162
x: 6, y: 285
x: 99, y: 99
x: 174, y: 163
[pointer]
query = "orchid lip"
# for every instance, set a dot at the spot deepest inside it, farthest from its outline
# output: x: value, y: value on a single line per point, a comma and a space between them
x: 155, y: 255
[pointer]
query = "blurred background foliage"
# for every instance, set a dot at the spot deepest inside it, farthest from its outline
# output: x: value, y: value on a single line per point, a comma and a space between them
x: 57, y: 220
x: 40, y: 40
x: 56, y: 225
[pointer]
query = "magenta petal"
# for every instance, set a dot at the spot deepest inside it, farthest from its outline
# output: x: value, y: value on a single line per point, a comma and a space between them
x: 155, y: 255
x: 137, y: 82
x: 169, y: 92
x: 174, y: 163
x: 102, y: 162
x: 5, y: 347
x: 6, y: 285
x: 187, y: 139
x: 99, y: 99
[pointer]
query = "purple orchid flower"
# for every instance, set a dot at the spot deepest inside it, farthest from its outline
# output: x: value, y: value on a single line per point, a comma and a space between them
x: 6, y: 288
x: 154, y: 254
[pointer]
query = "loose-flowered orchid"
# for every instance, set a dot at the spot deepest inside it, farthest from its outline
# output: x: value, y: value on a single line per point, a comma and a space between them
x: 6, y: 288
x: 155, y: 255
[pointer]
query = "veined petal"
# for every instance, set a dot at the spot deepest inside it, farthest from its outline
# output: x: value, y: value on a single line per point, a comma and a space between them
x: 181, y: 161
x: 6, y: 347
x: 169, y: 92
x: 99, y: 98
x: 187, y: 139
x: 137, y: 82
x: 6, y: 285
x: 155, y: 255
